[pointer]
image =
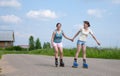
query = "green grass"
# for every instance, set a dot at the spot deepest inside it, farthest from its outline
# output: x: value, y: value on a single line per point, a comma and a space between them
x: 106, y: 53
x: 103, y: 53
x: 49, y: 52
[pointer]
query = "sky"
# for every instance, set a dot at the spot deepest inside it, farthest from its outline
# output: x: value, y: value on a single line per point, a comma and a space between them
x: 39, y: 18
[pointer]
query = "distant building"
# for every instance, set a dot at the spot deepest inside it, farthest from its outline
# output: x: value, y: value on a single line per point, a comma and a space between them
x: 6, y: 38
x: 24, y: 46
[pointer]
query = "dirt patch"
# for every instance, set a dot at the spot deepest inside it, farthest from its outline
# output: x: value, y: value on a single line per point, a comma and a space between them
x: 5, y: 67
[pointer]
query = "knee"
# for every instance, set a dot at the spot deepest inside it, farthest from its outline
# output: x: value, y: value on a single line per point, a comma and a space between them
x: 56, y: 52
x: 61, y: 52
x: 78, y: 51
x: 84, y: 52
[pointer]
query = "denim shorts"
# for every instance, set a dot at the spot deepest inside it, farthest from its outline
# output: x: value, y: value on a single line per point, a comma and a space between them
x: 79, y: 42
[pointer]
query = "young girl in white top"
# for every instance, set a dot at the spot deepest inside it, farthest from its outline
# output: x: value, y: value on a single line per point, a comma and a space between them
x: 81, y: 43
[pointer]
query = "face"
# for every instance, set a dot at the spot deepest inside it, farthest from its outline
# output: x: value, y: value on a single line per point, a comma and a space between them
x: 59, y: 26
x: 85, y: 25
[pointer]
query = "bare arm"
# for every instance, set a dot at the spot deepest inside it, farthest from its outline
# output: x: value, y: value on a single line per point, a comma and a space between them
x: 95, y: 39
x: 76, y: 35
x: 52, y: 38
x: 66, y: 37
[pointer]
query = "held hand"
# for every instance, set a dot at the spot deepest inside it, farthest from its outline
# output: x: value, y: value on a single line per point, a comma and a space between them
x: 71, y: 40
x: 98, y: 43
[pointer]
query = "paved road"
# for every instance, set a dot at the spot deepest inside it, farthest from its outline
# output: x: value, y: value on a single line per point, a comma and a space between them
x: 35, y: 65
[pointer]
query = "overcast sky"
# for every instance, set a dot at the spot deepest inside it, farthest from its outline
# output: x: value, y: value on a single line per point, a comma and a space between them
x: 39, y: 17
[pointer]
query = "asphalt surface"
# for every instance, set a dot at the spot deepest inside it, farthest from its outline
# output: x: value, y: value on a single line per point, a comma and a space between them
x: 36, y: 65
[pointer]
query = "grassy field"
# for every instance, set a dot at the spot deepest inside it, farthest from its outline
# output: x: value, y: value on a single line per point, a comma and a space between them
x: 105, y: 53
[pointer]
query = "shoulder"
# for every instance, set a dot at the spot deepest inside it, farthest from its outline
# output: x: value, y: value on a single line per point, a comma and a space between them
x: 62, y: 32
x: 81, y: 28
x: 90, y: 31
x: 55, y: 31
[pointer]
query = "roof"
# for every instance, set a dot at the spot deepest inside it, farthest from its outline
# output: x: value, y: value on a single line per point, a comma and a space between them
x: 6, y: 35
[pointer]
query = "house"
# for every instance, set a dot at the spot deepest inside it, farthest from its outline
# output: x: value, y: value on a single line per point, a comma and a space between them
x: 6, y: 38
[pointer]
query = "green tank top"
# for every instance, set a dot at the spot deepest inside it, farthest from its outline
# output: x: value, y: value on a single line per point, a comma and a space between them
x: 58, y: 37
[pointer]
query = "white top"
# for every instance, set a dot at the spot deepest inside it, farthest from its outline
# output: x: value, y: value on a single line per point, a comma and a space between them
x: 84, y: 34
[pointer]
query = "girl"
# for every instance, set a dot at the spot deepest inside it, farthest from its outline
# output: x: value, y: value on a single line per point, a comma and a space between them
x: 81, y: 43
x: 56, y: 42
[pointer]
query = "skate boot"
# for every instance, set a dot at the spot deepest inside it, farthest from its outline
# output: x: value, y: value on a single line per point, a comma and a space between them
x: 85, y: 65
x: 75, y: 64
x: 61, y: 63
x: 56, y: 62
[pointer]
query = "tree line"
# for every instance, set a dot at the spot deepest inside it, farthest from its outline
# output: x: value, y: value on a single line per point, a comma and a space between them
x: 36, y: 44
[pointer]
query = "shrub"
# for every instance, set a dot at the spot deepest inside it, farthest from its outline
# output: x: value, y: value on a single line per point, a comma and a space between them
x: 9, y: 48
x: 15, y: 48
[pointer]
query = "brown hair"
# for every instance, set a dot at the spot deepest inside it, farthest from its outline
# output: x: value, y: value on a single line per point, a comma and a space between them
x: 87, y: 22
x: 58, y: 24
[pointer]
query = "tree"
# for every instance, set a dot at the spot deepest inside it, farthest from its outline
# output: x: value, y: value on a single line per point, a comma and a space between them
x: 38, y: 44
x: 46, y: 45
x: 31, y: 43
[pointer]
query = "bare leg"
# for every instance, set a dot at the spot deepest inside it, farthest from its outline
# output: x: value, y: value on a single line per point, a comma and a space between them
x: 84, y: 53
x: 56, y: 51
x: 61, y: 57
x: 85, y: 65
x: 75, y: 65
x: 56, y: 55
x: 61, y: 52
x: 78, y: 51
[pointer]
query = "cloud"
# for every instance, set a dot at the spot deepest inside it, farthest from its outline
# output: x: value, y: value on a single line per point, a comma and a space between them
x: 10, y: 19
x: 9, y: 3
x: 96, y: 12
x: 42, y: 14
x: 116, y: 1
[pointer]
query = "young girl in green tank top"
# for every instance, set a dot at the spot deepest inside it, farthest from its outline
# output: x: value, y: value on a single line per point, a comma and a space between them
x: 56, y: 42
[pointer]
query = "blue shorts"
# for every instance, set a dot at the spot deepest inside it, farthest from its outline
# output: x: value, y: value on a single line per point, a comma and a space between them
x: 79, y: 42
